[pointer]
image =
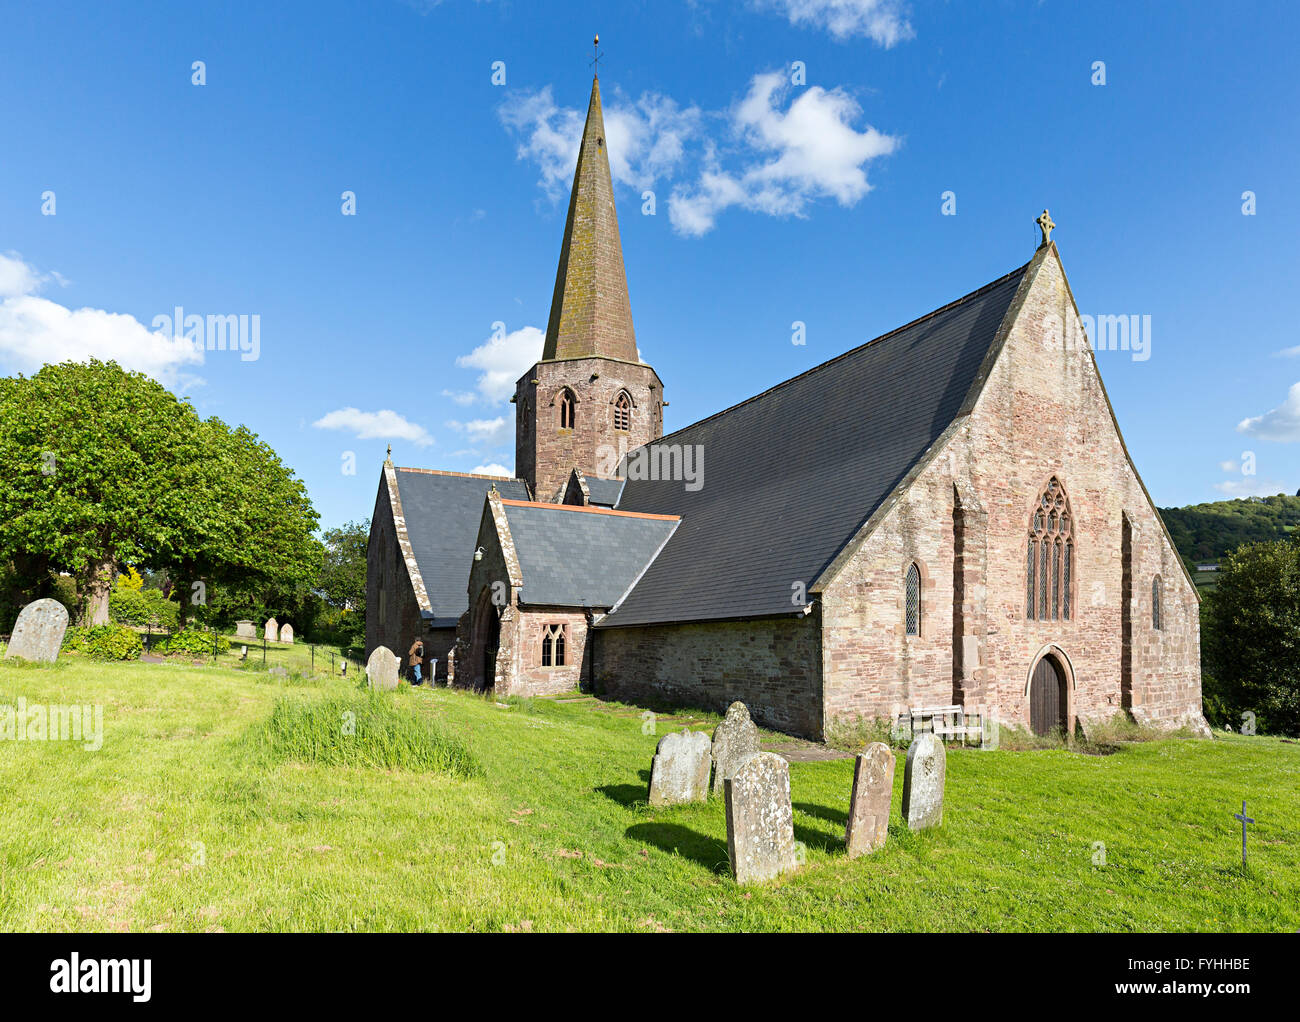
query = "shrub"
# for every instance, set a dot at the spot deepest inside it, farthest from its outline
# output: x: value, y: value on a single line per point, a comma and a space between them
x: 854, y: 734
x: 364, y: 730
x: 192, y: 642
x: 103, y: 642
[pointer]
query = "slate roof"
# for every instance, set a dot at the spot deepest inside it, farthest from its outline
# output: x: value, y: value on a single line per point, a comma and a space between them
x: 603, y: 492
x: 443, y: 511
x: 790, y: 476
x: 581, y: 557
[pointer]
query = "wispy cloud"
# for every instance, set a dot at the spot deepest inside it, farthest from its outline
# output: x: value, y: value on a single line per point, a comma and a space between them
x: 502, y: 359
x: 1281, y: 424
x: 493, y: 469
x: 883, y: 21
x: 1251, y: 487
x: 36, y: 331
x: 384, y: 424
x: 768, y: 153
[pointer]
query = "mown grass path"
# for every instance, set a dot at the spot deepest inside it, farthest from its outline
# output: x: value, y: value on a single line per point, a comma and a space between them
x: 177, y: 824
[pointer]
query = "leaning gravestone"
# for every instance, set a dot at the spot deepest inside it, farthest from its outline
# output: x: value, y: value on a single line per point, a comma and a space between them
x: 735, y: 739
x: 272, y: 630
x: 923, y: 782
x: 679, y: 771
x: 760, y: 819
x: 873, y: 787
x: 381, y: 668
x: 245, y: 630
x: 286, y: 633
x: 38, y: 632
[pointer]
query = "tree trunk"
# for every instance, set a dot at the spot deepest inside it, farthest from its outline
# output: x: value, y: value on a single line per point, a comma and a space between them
x: 101, y: 583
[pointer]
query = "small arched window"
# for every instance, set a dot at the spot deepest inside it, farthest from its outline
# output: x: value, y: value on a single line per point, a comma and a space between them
x: 1049, y: 559
x: 553, y: 645
x: 568, y: 409
x: 912, y: 614
x: 1156, y: 622
x: 623, y: 411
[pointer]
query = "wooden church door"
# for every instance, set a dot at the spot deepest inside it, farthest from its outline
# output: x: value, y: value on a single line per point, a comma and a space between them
x: 1047, y: 698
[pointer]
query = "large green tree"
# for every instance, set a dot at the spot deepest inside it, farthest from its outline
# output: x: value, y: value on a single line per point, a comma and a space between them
x: 106, y: 467
x: 1252, y: 639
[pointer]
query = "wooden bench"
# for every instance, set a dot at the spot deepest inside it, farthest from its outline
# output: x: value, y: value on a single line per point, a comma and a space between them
x: 947, y: 723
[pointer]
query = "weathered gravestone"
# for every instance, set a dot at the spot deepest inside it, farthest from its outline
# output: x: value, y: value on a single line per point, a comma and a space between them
x: 279, y: 672
x: 734, y: 740
x: 245, y: 630
x: 286, y: 633
x: 38, y: 632
x: 381, y: 668
x: 873, y: 787
x: 760, y: 820
x: 272, y: 630
x: 923, y: 782
x: 679, y: 771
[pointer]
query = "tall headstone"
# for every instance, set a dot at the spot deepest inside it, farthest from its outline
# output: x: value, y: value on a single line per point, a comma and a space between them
x: 760, y: 819
x: 734, y: 740
x: 679, y: 771
x: 38, y: 632
x: 272, y: 630
x: 245, y: 630
x: 382, y: 668
x: 873, y: 787
x: 286, y: 632
x: 923, y: 779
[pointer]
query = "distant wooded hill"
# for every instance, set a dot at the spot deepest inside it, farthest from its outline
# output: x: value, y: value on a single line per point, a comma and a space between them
x: 1205, y: 532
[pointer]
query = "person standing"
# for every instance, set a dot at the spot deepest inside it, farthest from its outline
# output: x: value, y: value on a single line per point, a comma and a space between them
x: 417, y: 658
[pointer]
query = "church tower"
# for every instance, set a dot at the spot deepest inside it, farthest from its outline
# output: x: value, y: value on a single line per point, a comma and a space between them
x: 590, y: 399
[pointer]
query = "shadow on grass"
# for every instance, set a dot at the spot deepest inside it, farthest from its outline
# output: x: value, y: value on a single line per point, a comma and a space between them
x: 836, y: 816
x: 629, y: 796
x: 819, y: 839
x: 709, y: 852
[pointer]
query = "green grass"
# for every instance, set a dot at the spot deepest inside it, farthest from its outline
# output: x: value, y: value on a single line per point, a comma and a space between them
x: 207, y: 809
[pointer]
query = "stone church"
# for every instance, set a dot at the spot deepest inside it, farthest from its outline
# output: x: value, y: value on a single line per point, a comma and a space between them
x: 945, y: 514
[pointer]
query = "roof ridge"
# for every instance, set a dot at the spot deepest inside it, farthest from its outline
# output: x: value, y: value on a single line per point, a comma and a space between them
x: 852, y: 351
x: 461, y: 475
x: 590, y: 510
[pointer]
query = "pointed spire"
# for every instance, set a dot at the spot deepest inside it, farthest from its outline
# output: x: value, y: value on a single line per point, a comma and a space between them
x: 590, y: 311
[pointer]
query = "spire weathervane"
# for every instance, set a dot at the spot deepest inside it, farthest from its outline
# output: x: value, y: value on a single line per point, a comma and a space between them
x: 1045, y: 225
x: 595, y: 49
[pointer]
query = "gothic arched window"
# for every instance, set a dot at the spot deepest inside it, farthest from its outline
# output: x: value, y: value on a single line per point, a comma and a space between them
x: 623, y: 411
x: 1156, y: 621
x: 568, y: 409
x: 1049, y: 558
x: 553, y: 645
x: 912, y: 613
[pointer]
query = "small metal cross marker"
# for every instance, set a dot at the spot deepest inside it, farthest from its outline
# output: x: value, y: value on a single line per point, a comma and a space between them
x: 1244, y: 820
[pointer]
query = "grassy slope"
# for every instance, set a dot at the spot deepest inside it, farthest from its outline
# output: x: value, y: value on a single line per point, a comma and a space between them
x: 107, y: 840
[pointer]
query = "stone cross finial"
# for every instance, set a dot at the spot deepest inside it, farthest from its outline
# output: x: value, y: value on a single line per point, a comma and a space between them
x: 1045, y: 225
x: 390, y: 453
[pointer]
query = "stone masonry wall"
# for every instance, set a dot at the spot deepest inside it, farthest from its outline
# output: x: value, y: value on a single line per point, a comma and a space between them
x: 545, y: 454
x: 1042, y: 413
x: 771, y: 664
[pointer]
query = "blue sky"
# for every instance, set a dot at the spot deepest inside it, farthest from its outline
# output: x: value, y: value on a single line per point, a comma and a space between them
x: 776, y: 201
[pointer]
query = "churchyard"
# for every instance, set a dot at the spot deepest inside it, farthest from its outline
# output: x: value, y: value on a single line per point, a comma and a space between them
x: 226, y: 799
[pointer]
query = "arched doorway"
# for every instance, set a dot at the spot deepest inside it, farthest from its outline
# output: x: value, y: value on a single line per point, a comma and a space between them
x: 491, y: 643
x: 485, y: 640
x: 1049, y: 698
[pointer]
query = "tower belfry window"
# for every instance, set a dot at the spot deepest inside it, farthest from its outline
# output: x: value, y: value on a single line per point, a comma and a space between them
x: 623, y: 411
x: 568, y: 409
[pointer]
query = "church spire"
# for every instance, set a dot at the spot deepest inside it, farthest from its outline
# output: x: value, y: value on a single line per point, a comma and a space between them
x: 590, y: 312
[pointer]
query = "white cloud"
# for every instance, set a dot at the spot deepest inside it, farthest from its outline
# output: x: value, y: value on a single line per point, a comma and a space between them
x: 766, y: 159
x: 494, y: 469
x: 461, y: 397
x: 883, y: 21
x: 1281, y: 423
x: 1251, y: 487
x: 385, y: 424
x: 485, y: 432
x: 1229, y: 466
x: 503, y: 358
x: 35, y: 331
x: 1288, y: 352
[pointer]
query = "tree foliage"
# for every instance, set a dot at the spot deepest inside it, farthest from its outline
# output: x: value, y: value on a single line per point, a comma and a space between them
x: 1210, y: 531
x: 1252, y: 644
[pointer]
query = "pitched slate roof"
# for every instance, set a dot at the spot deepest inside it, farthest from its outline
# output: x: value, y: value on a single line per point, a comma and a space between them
x: 581, y: 557
x: 603, y: 492
x: 789, y: 476
x: 442, y: 512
